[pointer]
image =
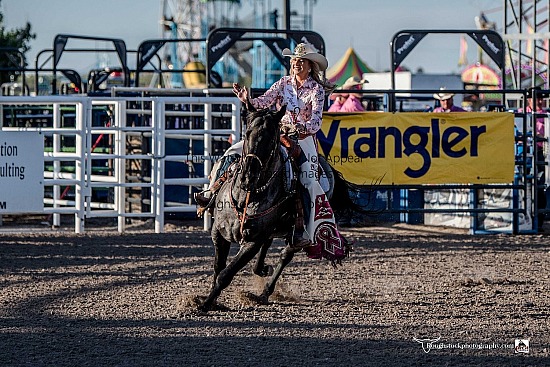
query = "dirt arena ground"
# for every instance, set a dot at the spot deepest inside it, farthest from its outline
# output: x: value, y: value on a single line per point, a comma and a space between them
x: 109, y: 299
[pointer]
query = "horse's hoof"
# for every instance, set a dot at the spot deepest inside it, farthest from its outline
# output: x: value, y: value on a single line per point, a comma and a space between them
x: 266, y: 271
x: 203, y: 307
x: 199, y: 303
x: 219, y: 307
x: 202, y: 310
x: 215, y: 306
x: 191, y: 304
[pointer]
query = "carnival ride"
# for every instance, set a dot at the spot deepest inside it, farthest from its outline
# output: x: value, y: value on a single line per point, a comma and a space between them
x: 524, y: 29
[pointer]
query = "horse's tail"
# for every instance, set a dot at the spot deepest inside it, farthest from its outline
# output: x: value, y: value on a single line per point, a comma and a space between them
x: 346, y: 194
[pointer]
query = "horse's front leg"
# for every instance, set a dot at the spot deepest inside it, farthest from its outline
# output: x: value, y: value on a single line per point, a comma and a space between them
x: 286, y: 257
x: 224, y: 278
x: 260, y: 268
x: 222, y: 247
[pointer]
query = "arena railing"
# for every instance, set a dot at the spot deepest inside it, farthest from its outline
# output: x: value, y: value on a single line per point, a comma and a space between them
x: 99, y: 176
x: 101, y: 182
x: 65, y: 163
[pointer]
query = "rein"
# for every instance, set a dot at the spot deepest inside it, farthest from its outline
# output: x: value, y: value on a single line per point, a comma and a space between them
x: 244, y: 210
x: 250, y: 155
x: 254, y: 156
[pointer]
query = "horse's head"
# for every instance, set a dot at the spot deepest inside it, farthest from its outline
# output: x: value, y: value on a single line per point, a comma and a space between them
x: 261, y: 144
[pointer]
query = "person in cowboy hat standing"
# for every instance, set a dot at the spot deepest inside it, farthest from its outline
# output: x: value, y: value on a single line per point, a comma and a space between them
x: 344, y: 102
x: 538, y: 108
x: 446, y: 100
x: 303, y: 94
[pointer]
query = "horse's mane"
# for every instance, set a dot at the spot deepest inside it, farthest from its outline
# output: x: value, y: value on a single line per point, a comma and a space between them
x: 252, y: 115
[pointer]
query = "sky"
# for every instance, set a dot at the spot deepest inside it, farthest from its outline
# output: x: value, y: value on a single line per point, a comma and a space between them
x: 366, y: 25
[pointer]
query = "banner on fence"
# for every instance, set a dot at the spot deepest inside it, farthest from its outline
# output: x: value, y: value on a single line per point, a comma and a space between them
x: 21, y: 172
x: 420, y: 148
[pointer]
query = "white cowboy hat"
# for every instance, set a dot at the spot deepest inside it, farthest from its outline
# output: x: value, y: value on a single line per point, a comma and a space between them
x: 443, y: 96
x: 306, y: 51
x: 352, y: 81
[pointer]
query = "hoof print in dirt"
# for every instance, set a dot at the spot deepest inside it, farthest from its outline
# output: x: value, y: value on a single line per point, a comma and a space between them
x: 251, y: 298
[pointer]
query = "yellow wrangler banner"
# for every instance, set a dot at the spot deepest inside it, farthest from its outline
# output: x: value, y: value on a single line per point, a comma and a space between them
x: 420, y: 148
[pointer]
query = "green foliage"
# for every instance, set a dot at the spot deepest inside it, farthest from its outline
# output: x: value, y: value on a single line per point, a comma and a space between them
x: 14, y: 43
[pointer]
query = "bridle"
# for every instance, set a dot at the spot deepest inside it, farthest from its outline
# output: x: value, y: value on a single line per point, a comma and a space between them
x: 247, y: 155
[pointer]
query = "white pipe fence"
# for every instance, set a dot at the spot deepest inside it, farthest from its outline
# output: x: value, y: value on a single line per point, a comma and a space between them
x: 73, y: 131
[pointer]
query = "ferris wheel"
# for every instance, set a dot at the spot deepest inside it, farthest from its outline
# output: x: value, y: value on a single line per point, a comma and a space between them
x: 179, y: 19
x: 193, y: 19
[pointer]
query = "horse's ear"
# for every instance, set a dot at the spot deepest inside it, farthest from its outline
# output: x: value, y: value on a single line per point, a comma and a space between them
x: 250, y: 106
x: 279, y: 115
x: 244, y: 115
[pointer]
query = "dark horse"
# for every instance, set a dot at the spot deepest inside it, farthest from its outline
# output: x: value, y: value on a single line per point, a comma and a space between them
x: 253, y: 207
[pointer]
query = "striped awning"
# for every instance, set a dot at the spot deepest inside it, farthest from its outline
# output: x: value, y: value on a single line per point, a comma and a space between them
x: 349, y: 65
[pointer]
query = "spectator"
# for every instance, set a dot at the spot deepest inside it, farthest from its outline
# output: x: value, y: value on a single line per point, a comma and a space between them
x: 344, y: 102
x: 540, y: 156
x: 446, y: 100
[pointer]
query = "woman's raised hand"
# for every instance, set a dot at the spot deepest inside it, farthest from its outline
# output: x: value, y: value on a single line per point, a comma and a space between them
x: 240, y: 92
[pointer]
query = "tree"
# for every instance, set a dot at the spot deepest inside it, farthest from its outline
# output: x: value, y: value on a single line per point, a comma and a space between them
x: 14, y: 44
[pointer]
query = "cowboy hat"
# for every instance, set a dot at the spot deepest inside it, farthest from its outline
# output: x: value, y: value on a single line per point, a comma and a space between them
x: 352, y: 81
x: 443, y: 96
x: 306, y: 51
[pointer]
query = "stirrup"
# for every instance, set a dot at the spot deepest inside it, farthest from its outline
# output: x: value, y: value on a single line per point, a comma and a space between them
x: 202, y: 200
x: 300, y: 242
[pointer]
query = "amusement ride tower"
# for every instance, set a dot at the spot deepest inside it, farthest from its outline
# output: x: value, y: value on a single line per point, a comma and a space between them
x: 193, y: 19
x: 526, y: 29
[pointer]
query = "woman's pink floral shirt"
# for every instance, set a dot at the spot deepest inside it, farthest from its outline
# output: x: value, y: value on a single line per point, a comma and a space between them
x: 304, y: 106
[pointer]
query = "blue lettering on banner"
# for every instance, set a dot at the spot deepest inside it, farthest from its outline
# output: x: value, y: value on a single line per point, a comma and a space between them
x: 370, y: 142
